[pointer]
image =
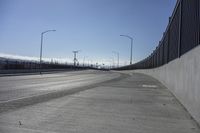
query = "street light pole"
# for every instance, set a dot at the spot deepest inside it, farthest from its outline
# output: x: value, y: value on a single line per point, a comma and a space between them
x: 41, y: 48
x: 117, y: 53
x: 112, y: 62
x: 84, y: 60
x: 131, y: 46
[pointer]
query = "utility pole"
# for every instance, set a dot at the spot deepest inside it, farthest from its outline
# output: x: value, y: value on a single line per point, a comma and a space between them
x: 75, y: 59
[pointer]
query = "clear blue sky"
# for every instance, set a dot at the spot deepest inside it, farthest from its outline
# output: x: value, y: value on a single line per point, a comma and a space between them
x: 92, y: 26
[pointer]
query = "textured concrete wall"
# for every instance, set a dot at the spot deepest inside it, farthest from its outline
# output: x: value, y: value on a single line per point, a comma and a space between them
x: 182, y: 77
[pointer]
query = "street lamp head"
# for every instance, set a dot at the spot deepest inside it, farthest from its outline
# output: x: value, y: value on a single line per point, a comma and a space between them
x: 47, y: 31
x: 127, y: 36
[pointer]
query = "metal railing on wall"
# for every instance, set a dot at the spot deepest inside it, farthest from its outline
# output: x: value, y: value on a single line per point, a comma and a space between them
x: 182, y: 34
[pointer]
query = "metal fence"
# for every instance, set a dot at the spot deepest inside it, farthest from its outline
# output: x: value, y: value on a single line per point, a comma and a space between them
x: 11, y: 64
x: 182, y: 34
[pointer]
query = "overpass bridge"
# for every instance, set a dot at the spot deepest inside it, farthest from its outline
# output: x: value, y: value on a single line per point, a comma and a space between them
x: 157, y: 94
x: 90, y: 101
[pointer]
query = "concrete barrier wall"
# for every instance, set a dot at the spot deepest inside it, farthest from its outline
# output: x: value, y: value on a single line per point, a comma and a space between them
x: 182, y: 77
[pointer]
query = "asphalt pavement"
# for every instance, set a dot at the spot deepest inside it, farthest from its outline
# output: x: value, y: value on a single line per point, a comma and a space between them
x: 90, y: 102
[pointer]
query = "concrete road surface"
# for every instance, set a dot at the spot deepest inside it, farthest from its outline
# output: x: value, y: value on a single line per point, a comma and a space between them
x: 90, y: 102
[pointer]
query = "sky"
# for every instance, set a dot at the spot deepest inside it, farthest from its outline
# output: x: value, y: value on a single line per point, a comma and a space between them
x: 91, y: 26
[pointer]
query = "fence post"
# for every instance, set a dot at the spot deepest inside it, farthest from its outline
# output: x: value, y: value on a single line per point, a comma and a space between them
x: 180, y: 25
x: 168, y: 41
x: 199, y: 20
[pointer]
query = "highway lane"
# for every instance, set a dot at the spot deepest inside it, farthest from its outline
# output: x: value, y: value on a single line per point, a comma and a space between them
x: 129, y: 103
x: 15, y: 87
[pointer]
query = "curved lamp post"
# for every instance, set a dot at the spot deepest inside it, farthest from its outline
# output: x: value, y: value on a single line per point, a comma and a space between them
x: 131, y: 46
x: 41, y: 48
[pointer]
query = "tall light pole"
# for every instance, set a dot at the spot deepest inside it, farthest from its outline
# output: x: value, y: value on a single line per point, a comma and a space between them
x: 41, y: 48
x: 84, y: 60
x: 131, y: 46
x: 112, y: 62
x: 117, y: 53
